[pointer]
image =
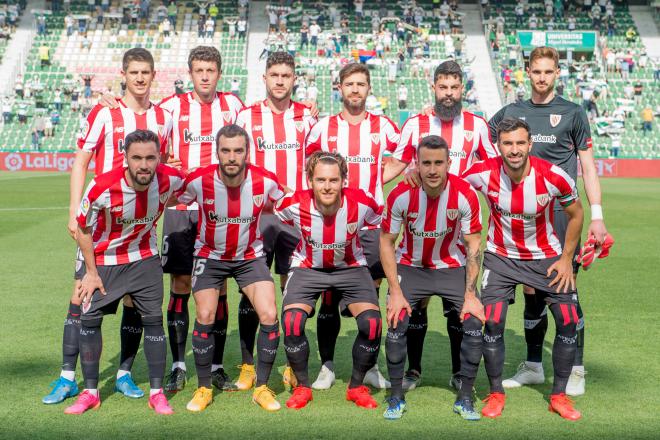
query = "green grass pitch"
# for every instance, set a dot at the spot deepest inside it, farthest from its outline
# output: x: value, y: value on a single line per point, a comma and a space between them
x: 619, y: 295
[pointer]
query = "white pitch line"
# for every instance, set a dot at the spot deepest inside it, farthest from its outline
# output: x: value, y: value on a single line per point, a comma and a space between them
x: 45, y: 208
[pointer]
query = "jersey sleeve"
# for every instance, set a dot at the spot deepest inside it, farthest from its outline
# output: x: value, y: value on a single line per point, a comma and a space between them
x: 283, y: 208
x: 406, y: 149
x: 392, y: 135
x: 275, y: 190
x: 92, y: 134
x: 241, y: 120
x: 485, y: 148
x: 394, y: 214
x: 474, y: 176
x: 374, y: 214
x: 562, y: 186
x: 494, y: 122
x: 90, y: 205
x: 187, y: 194
x: 314, y: 142
x: 470, y: 211
x: 581, y: 131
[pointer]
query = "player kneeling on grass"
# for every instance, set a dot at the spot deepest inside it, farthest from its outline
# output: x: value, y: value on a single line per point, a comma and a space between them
x: 231, y: 197
x: 523, y: 248
x: 117, y: 237
x: 439, y: 255
x: 328, y: 218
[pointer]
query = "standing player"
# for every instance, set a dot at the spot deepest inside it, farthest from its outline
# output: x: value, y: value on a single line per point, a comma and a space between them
x: 329, y: 256
x: 231, y: 196
x: 361, y: 138
x: 468, y: 140
x: 439, y: 255
x: 561, y: 134
x: 103, y: 140
x: 523, y: 248
x: 277, y: 128
x: 117, y: 238
x: 197, y: 116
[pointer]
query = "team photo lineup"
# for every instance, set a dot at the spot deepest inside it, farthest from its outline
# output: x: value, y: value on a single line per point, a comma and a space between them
x: 246, y: 189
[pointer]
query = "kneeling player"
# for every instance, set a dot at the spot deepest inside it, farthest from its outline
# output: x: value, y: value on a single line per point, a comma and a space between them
x: 328, y: 218
x: 231, y: 197
x: 523, y: 248
x: 117, y: 237
x: 432, y: 261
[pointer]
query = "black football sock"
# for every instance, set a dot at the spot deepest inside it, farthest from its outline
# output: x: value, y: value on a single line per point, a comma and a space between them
x: 296, y: 344
x: 248, y: 322
x: 155, y: 349
x: 417, y: 326
x: 220, y: 330
x: 455, y: 333
x: 565, y: 344
x: 70, y: 338
x: 202, y: 344
x: 268, y: 340
x: 579, y: 350
x: 366, y: 345
x: 91, y: 345
x: 536, y: 326
x: 328, y: 324
x: 131, y: 334
x: 395, y: 351
x: 470, y: 355
x: 178, y: 324
x: 493, y: 344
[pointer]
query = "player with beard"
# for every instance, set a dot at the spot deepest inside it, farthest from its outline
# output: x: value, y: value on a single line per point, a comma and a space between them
x: 117, y: 238
x: 439, y: 255
x: 469, y: 141
x: 277, y: 128
x: 523, y: 248
x: 103, y: 139
x: 231, y: 197
x: 328, y: 218
x: 561, y: 134
x: 361, y: 138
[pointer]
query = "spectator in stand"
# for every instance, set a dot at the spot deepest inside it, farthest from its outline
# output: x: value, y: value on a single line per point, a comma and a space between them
x: 304, y: 36
x: 403, y: 96
x: 519, y: 10
x: 241, y: 27
x: 638, y: 90
x: 513, y: 56
x: 312, y: 92
x: 48, y: 126
x: 75, y: 100
x: 533, y: 21
x: 631, y: 35
x: 520, y: 92
x: 560, y: 88
x: 272, y: 18
x: 87, y: 82
x: 6, y: 110
x: 647, y: 120
x: 616, y: 145
x: 572, y: 22
x: 172, y: 12
x: 55, y: 118
x: 235, y: 87
x: 214, y: 11
x: 57, y: 99
x: 145, y: 9
x: 69, y: 23
x: 359, y: 9
x: 22, y: 112
x: 35, y: 139
x: 44, y: 54
x: 314, y: 31
x: 165, y: 27
x: 41, y: 24
x: 209, y: 28
x: 200, y: 27
x: 519, y: 75
x: 231, y: 26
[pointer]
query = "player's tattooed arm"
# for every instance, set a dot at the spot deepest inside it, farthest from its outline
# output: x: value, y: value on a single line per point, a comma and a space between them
x: 471, y: 304
x: 396, y: 302
x: 563, y: 267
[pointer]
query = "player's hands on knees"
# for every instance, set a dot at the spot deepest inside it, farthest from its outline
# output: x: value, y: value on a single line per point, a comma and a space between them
x: 411, y: 177
x: 88, y: 285
x: 72, y: 227
x: 108, y: 100
x: 597, y: 229
x: 472, y: 306
x: 395, y: 305
x: 564, y: 280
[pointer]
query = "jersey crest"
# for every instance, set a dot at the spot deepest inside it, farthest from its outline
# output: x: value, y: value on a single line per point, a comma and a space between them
x: 543, y: 199
x: 258, y: 199
x: 351, y: 228
x: 469, y: 135
x: 554, y: 120
x: 375, y: 137
x: 452, y: 214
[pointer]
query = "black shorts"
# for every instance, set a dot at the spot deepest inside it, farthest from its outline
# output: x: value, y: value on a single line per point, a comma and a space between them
x: 211, y: 274
x: 370, y: 241
x: 559, y: 224
x: 419, y: 283
x: 142, y: 280
x: 179, y: 233
x: 502, y: 275
x: 279, y: 241
x: 304, y: 286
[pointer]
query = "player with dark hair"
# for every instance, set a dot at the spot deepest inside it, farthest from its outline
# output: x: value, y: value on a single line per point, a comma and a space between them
x: 117, y: 238
x: 523, y: 248
x: 277, y: 128
x: 103, y: 139
x: 561, y: 134
x: 439, y: 255
x: 467, y: 136
x: 328, y: 218
x: 231, y: 197
x: 361, y: 138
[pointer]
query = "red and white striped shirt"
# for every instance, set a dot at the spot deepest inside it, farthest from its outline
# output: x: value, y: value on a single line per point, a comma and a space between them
x: 467, y: 136
x: 229, y: 216
x: 196, y: 124
x: 277, y: 140
x: 521, y: 214
x: 433, y: 226
x: 123, y: 220
x: 362, y: 145
x: 106, y: 128
x: 329, y: 242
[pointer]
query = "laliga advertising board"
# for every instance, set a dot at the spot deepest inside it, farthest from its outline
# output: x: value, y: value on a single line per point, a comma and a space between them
x: 36, y: 161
